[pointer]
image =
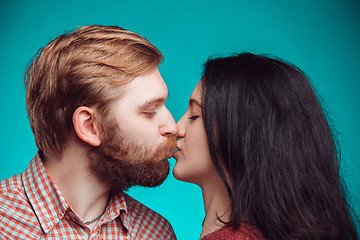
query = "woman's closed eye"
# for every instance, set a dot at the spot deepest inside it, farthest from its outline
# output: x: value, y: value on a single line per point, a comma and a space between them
x: 193, y: 117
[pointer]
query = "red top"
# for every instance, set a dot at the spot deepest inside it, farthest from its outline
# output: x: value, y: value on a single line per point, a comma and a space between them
x: 32, y: 207
x: 244, y: 232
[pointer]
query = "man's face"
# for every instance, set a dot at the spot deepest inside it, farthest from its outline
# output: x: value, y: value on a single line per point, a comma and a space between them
x: 141, y: 113
x: 138, y: 136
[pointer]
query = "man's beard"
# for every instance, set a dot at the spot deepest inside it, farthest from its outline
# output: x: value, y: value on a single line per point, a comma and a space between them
x: 123, y: 164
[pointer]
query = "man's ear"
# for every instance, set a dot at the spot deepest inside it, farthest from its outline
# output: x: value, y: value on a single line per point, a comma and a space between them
x: 86, y: 125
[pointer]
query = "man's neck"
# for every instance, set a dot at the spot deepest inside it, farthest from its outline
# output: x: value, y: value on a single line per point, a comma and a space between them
x: 86, y: 195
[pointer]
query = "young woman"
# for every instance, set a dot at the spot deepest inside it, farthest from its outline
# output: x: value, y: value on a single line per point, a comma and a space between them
x: 257, y: 142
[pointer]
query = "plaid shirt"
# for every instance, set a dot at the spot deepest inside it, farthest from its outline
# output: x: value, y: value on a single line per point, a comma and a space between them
x: 32, y: 207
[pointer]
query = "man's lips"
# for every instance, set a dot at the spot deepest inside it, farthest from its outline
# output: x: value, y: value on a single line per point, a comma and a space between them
x: 178, y: 148
x: 170, y: 153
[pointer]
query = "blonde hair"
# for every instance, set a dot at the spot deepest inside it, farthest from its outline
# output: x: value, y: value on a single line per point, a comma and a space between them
x: 83, y: 68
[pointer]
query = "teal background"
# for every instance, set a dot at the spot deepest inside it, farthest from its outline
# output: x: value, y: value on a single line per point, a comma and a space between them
x: 321, y: 37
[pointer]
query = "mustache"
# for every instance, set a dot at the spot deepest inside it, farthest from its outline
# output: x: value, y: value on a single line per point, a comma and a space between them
x: 168, y: 147
x: 171, y: 142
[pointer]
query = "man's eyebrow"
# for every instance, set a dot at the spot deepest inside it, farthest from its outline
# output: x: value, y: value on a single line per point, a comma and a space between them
x: 194, y: 101
x: 153, y: 101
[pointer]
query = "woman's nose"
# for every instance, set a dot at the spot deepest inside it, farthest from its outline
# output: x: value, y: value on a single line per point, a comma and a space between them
x: 181, y: 128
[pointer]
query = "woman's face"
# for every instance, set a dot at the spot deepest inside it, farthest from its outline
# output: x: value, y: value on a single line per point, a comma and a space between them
x: 193, y: 160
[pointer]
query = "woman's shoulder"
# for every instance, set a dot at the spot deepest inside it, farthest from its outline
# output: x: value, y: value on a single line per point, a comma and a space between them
x: 243, y: 232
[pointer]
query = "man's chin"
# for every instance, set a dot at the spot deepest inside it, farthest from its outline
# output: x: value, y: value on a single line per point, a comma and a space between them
x: 144, y: 175
x: 119, y: 188
x: 157, y: 175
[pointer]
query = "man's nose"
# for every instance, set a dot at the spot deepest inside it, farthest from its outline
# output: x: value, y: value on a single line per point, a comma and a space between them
x: 168, y: 127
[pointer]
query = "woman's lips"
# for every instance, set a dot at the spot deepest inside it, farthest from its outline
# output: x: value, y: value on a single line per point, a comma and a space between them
x: 175, y: 152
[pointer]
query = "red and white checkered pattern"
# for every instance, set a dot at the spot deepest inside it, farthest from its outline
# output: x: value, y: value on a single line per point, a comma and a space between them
x: 31, y: 207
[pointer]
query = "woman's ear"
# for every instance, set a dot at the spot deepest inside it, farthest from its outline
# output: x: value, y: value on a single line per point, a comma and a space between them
x: 86, y: 125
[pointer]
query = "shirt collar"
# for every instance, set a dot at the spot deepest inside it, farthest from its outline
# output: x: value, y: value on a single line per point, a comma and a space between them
x: 117, y: 207
x: 44, y: 197
x: 50, y: 205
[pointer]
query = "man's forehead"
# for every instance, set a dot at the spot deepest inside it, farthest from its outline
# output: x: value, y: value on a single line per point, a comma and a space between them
x: 147, y: 89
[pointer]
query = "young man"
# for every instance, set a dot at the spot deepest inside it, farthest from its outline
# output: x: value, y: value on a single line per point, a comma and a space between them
x: 96, y: 104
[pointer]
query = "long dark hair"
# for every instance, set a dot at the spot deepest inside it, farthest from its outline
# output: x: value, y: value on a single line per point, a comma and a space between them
x: 272, y: 145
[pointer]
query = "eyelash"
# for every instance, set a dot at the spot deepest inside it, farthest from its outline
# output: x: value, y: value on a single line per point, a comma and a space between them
x: 149, y: 114
x: 193, y: 117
